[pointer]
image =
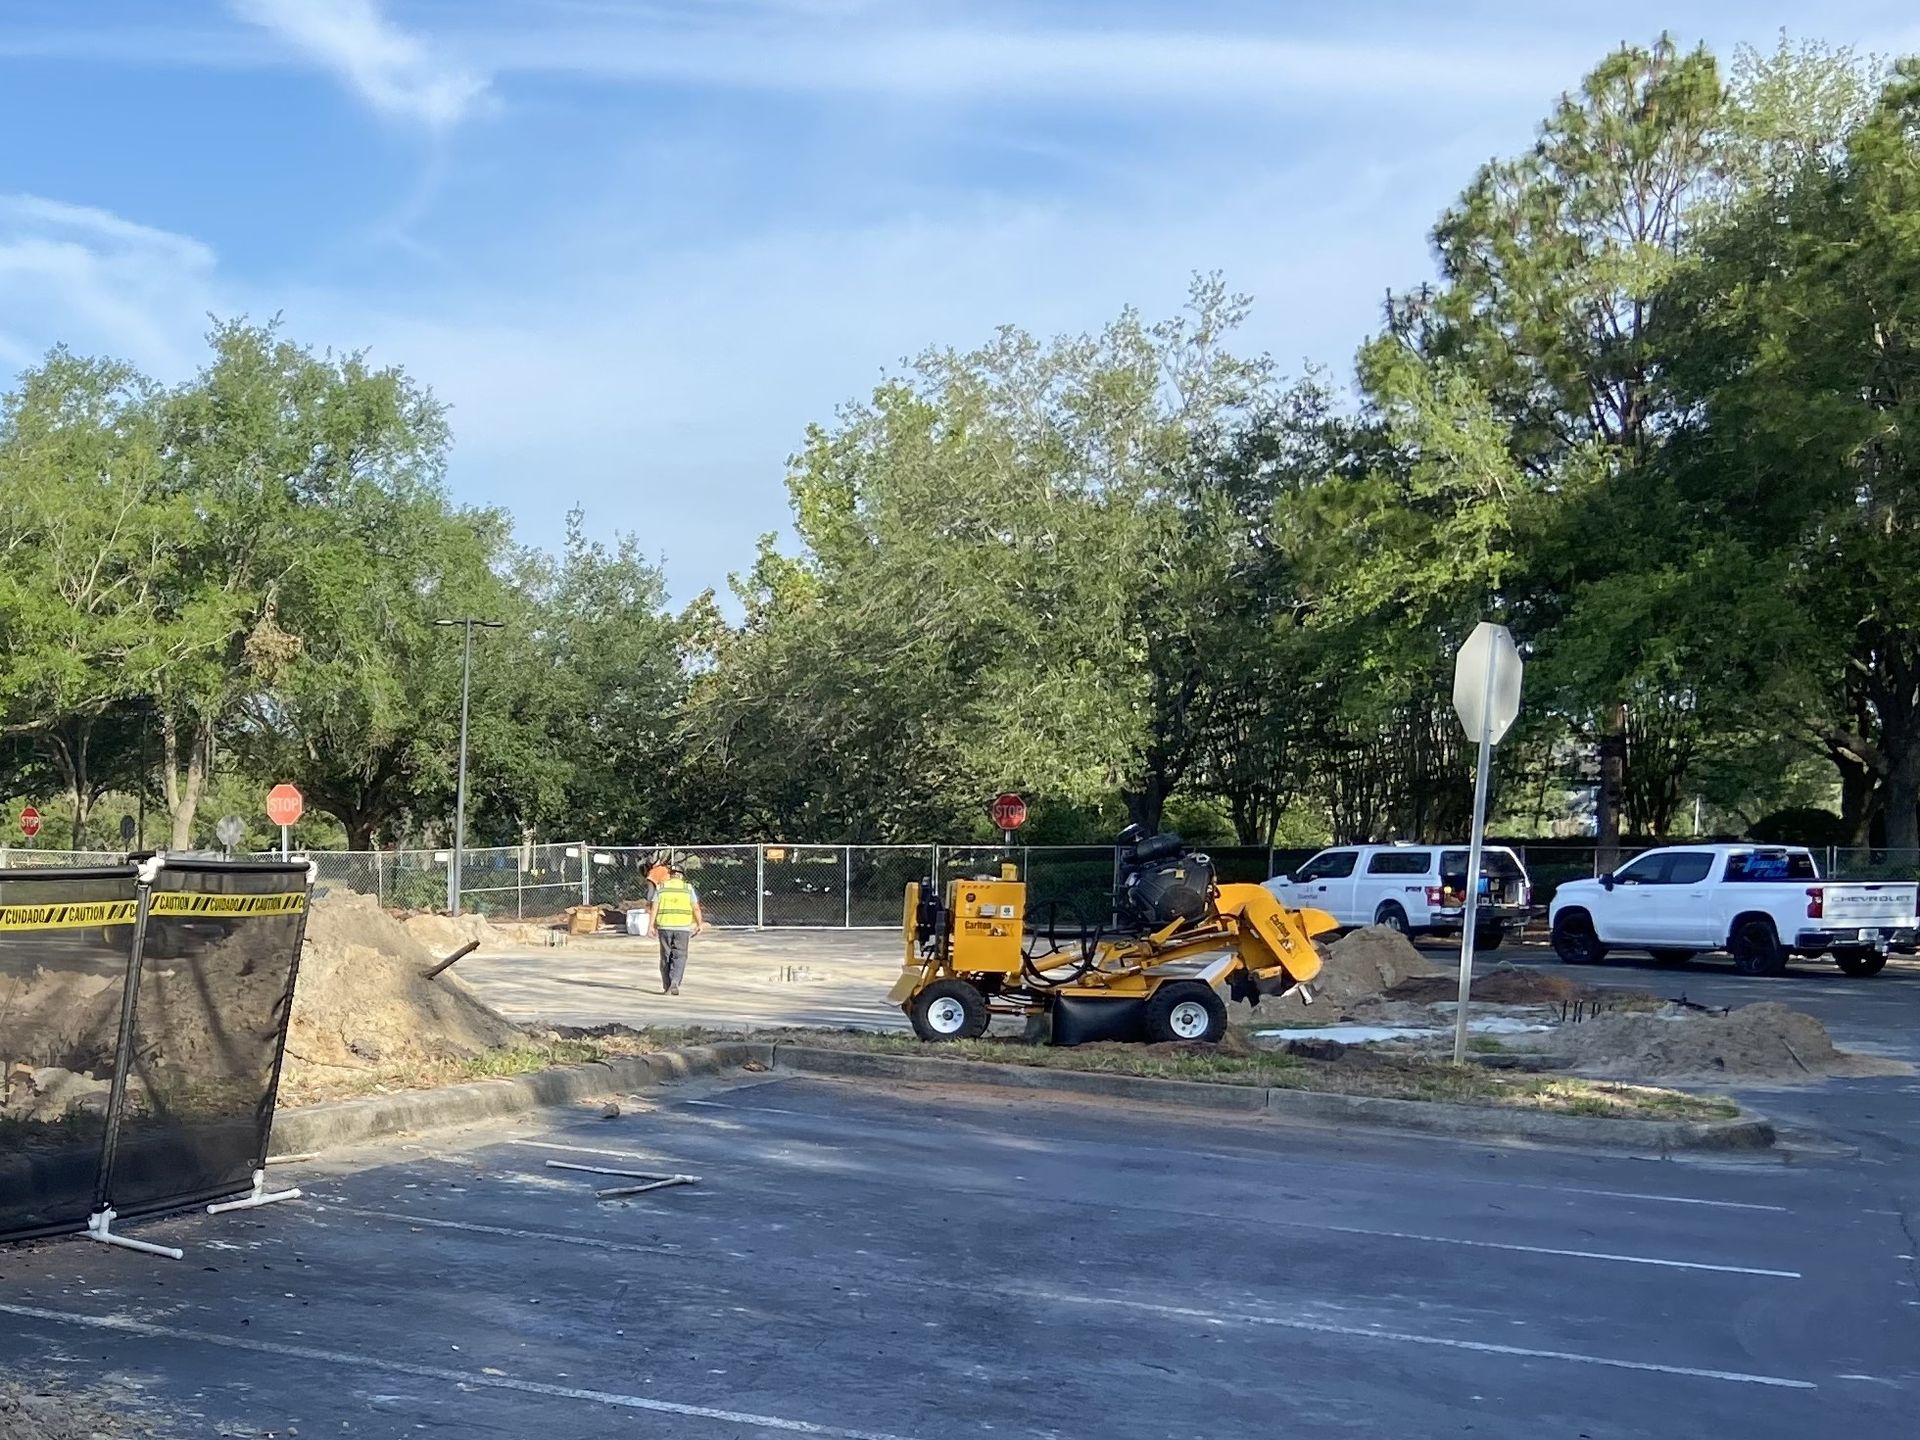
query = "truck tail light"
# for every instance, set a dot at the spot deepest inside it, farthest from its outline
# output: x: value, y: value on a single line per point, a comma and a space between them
x: 1816, y: 902
x: 1435, y: 895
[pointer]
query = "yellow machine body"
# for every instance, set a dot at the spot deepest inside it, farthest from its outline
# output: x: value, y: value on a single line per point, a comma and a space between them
x: 1249, y: 945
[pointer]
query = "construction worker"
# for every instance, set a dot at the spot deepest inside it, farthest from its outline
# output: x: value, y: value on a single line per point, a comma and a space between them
x: 677, y: 918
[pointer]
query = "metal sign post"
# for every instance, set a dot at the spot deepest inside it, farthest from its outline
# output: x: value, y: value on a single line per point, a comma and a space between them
x: 1486, y: 694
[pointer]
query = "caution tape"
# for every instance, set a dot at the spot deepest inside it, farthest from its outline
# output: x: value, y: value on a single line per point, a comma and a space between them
x: 82, y: 914
x: 291, y: 902
x: 68, y: 915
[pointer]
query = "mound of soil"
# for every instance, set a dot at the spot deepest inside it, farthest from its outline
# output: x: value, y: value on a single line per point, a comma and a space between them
x: 363, y: 1003
x: 1515, y: 985
x: 1361, y: 966
x: 1758, y: 1042
x: 443, y: 934
x: 1231, y: 1043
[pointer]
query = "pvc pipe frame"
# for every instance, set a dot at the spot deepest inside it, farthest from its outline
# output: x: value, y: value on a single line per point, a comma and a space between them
x: 260, y: 1196
x: 100, y: 1227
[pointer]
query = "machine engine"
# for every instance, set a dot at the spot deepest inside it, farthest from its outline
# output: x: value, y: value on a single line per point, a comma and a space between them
x: 1163, y: 881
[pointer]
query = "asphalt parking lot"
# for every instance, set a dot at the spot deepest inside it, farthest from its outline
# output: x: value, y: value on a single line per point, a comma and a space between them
x: 892, y: 1262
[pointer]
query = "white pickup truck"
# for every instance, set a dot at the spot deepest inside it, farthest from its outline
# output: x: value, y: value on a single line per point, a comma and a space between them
x: 1759, y: 903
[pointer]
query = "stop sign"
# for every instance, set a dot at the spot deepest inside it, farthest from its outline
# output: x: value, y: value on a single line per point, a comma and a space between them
x: 285, y: 805
x: 1008, y: 810
x: 29, y: 822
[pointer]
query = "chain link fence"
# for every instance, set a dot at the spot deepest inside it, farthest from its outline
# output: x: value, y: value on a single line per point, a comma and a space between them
x: 841, y: 886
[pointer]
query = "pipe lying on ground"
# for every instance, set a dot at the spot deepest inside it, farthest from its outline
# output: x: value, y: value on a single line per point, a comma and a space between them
x: 460, y: 954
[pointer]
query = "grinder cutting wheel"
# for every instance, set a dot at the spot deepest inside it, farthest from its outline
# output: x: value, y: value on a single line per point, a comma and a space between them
x: 1177, y: 946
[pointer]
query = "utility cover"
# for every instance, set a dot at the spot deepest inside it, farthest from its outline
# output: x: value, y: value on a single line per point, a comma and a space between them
x: 1481, y: 708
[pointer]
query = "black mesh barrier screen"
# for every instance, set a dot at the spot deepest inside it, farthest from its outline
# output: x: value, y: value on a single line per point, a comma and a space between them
x: 65, y: 937
x: 210, y: 1013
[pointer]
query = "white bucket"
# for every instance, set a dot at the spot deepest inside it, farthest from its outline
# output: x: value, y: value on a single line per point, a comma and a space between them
x: 639, y: 922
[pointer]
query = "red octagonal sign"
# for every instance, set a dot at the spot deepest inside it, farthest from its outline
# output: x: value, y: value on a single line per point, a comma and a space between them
x: 1008, y: 810
x: 29, y: 822
x: 285, y: 805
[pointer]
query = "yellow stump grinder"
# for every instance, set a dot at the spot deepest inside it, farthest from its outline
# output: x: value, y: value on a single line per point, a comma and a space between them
x: 1159, y: 967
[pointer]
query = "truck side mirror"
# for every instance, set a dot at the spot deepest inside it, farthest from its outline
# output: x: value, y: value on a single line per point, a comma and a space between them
x: 1607, y: 882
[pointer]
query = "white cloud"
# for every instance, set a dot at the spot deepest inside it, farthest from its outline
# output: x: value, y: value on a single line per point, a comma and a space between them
x: 932, y: 62
x: 393, y: 71
x: 88, y: 278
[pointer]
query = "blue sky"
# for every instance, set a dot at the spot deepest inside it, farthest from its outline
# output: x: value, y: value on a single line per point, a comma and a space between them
x: 637, y: 245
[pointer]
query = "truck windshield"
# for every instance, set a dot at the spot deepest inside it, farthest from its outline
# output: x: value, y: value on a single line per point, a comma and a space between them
x: 1770, y: 865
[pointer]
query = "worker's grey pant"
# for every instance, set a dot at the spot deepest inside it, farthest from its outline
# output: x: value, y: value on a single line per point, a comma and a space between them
x: 674, y: 948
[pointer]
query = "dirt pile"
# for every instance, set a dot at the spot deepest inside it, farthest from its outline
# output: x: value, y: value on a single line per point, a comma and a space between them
x: 1519, y: 985
x: 362, y: 1002
x: 1756, y: 1042
x: 53, y: 1412
x: 1359, y: 967
x: 444, y: 934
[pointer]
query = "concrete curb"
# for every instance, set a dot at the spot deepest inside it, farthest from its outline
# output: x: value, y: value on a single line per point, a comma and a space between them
x: 1426, y: 1117
x: 348, y: 1122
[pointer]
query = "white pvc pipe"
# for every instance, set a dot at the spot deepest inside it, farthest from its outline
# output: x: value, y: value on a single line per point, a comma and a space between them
x: 100, y: 1227
x: 260, y: 1196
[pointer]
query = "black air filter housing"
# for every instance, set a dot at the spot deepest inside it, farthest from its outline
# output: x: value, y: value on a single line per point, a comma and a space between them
x: 1159, y: 890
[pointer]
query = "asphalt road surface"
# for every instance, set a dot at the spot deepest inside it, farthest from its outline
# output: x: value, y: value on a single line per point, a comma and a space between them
x: 893, y: 1262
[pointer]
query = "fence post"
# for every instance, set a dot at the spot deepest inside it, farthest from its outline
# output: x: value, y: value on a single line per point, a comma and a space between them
x: 760, y: 887
x: 1270, y: 862
x: 586, y: 874
x: 846, y: 892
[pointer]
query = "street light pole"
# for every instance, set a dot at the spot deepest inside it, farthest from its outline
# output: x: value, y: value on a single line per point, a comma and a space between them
x: 460, y: 792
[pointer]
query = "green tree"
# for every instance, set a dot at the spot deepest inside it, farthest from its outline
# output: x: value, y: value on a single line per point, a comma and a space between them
x: 86, y: 527
x: 1796, y: 352
x: 279, y: 452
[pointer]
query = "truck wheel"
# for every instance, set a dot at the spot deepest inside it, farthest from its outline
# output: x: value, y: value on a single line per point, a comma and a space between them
x: 1860, y: 963
x: 1671, y: 957
x: 1756, y: 948
x: 1574, y: 940
x: 949, y: 1010
x: 1489, y: 937
x: 1186, y: 1010
x: 1393, y: 917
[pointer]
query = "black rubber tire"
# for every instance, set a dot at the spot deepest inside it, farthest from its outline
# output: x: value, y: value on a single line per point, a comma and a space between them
x: 1489, y: 937
x: 1756, y: 948
x: 1394, y: 918
x: 1574, y: 941
x: 1860, y: 963
x: 1169, y: 998
x: 972, y: 1003
x: 1671, y: 957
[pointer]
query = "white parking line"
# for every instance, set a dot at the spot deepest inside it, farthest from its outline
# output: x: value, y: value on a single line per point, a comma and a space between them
x: 123, y: 1325
x: 590, y: 1242
x: 1364, y: 1332
x: 1542, y: 1250
x: 1602, y: 1255
x: 586, y: 1150
x: 751, y: 1109
x: 1662, y: 1199
x: 1257, y: 1157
